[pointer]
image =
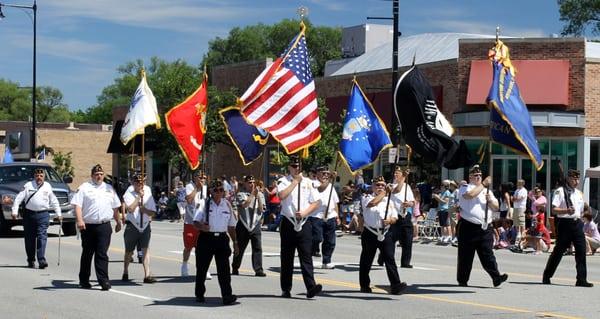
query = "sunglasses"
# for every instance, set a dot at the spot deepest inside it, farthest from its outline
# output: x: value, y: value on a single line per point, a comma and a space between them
x: 294, y: 165
x: 380, y: 185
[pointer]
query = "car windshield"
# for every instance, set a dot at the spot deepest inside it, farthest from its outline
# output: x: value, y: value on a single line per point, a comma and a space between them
x: 11, y: 174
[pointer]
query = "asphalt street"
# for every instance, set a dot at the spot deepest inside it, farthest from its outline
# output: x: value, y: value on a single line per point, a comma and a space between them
x: 432, y: 292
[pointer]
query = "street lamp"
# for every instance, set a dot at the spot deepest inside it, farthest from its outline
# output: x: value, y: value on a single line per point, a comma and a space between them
x: 33, y: 93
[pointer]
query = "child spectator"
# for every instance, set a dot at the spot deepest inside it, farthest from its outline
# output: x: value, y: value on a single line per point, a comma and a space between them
x: 538, y: 236
x: 592, y: 236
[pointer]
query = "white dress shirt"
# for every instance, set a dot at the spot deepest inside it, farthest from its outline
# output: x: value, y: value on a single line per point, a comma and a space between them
x: 558, y: 200
x: 308, y: 195
x: 190, y: 209
x: 399, y: 198
x: 220, y: 216
x: 97, y: 202
x: 324, y: 197
x: 42, y: 198
x: 374, y: 216
x: 473, y: 210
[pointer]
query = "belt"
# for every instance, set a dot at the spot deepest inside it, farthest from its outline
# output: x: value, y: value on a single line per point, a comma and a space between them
x: 217, y: 234
x: 36, y: 212
x: 568, y: 219
x: 99, y: 223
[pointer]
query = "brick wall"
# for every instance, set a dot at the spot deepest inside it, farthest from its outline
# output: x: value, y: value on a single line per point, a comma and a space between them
x: 572, y: 49
x: 238, y: 75
x: 88, y: 147
x: 592, y: 99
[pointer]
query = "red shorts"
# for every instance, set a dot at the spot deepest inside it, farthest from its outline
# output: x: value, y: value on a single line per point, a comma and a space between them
x: 190, y: 236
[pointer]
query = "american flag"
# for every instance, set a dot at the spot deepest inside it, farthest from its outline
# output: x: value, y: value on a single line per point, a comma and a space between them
x: 283, y: 101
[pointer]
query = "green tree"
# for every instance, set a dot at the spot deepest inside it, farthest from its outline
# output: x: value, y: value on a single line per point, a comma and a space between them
x: 262, y: 41
x: 15, y: 102
x: 50, y: 106
x: 63, y: 164
x: 578, y: 14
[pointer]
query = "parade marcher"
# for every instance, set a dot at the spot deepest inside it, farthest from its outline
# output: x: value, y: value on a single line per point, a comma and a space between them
x: 325, y: 219
x: 298, y: 200
x: 96, y: 203
x: 214, y: 219
x: 379, y: 214
x: 475, y: 228
x: 37, y: 199
x: 402, y: 230
x: 140, y: 208
x: 404, y: 200
x: 195, y: 194
x: 567, y: 205
x: 250, y: 205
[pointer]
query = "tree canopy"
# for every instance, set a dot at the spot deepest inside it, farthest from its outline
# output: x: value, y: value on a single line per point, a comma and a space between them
x: 15, y: 103
x: 578, y: 15
x: 268, y: 41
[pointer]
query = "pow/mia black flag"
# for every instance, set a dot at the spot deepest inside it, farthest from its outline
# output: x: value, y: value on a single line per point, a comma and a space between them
x: 425, y: 128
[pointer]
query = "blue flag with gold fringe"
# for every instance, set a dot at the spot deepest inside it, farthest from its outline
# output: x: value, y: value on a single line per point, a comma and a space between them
x: 510, y: 122
x: 248, y: 139
x: 364, y: 135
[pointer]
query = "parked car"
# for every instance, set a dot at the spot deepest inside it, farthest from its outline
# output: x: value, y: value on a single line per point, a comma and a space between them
x: 12, y: 178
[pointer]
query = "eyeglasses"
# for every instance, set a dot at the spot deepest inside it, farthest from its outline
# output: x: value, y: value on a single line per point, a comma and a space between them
x: 219, y: 190
x: 380, y: 185
x: 251, y: 182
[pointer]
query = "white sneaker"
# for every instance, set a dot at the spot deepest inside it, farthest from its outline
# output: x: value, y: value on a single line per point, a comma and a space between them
x: 454, y: 241
x: 184, y: 270
x: 327, y: 266
x: 208, y: 276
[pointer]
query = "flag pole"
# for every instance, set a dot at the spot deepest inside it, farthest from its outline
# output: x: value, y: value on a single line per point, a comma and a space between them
x: 337, y: 161
x: 409, y: 154
x: 143, y: 179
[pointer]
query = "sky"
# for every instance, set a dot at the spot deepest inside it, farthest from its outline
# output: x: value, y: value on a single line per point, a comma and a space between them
x: 80, y: 43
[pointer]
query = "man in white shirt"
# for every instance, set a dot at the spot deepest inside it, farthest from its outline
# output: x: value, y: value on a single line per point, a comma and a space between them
x: 214, y: 219
x: 299, y: 199
x: 475, y: 230
x: 140, y: 208
x: 519, y: 200
x: 379, y: 214
x: 568, y: 205
x: 325, y: 218
x: 38, y: 200
x: 195, y: 194
x: 404, y: 201
x: 96, y: 203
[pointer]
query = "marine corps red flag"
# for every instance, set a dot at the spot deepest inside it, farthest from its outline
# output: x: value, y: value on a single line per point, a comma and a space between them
x: 187, y: 123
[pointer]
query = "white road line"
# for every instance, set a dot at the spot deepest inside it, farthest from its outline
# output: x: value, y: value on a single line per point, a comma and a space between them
x: 134, y: 295
x: 423, y: 268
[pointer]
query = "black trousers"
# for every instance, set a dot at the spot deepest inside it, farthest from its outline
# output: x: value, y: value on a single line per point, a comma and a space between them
x: 568, y: 231
x: 291, y: 241
x: 370, y: 244
x: 402, y: 231
x: 255, y: 239
x: 472, y: 238
x: 95, y: 240
x: 207, y: 247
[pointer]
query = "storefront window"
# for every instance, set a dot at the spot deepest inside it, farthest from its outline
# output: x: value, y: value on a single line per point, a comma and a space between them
x: 594, y: 182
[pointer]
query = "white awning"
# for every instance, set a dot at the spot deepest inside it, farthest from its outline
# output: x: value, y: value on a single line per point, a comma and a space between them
x: 593, y: 172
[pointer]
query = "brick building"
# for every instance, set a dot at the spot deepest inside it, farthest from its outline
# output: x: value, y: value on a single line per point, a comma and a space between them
x: 558, y: 77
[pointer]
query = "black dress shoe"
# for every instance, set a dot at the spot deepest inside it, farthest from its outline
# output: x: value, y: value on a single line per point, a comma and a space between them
x: 316, y: 254
x: 314, y: 291
x: 228, y: 300
x: 366, y: 290
x: 149, y: 280
x: 125, y: 277
x: 105, y: 286
x: 235, y: 272
x: 546, y: 281
x: 584, y: 284
x: 498, y: 281
x: 397, y: 289
x: 85, y: 285
x: 463, y: 284
x: 260, y: 274
x: 43, y: 265
x: 30, y: 264
x: 406, y: 266
x: 286, y: 294
x: 200, y: 299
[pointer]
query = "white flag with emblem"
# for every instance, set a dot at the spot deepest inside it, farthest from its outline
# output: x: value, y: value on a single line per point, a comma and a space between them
x: 142, y: 112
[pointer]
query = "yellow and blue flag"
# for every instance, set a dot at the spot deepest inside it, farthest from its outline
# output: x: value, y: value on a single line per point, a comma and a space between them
x: 510, y: 122
x: 364, y: 134
x: 248, y: 139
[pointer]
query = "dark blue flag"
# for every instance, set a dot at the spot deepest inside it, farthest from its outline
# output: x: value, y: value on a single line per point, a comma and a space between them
x: 364, y: 135
x: 248, y: 139
x: 510, y: 123
x: 8, y: 158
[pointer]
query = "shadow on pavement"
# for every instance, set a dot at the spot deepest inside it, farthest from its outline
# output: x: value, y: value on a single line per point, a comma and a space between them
x: 210, y: 302
x: 361, y: 295
x: 536, y: 283
x: 424, y: 289
x: 178, y: 279
x: 60, y: 284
